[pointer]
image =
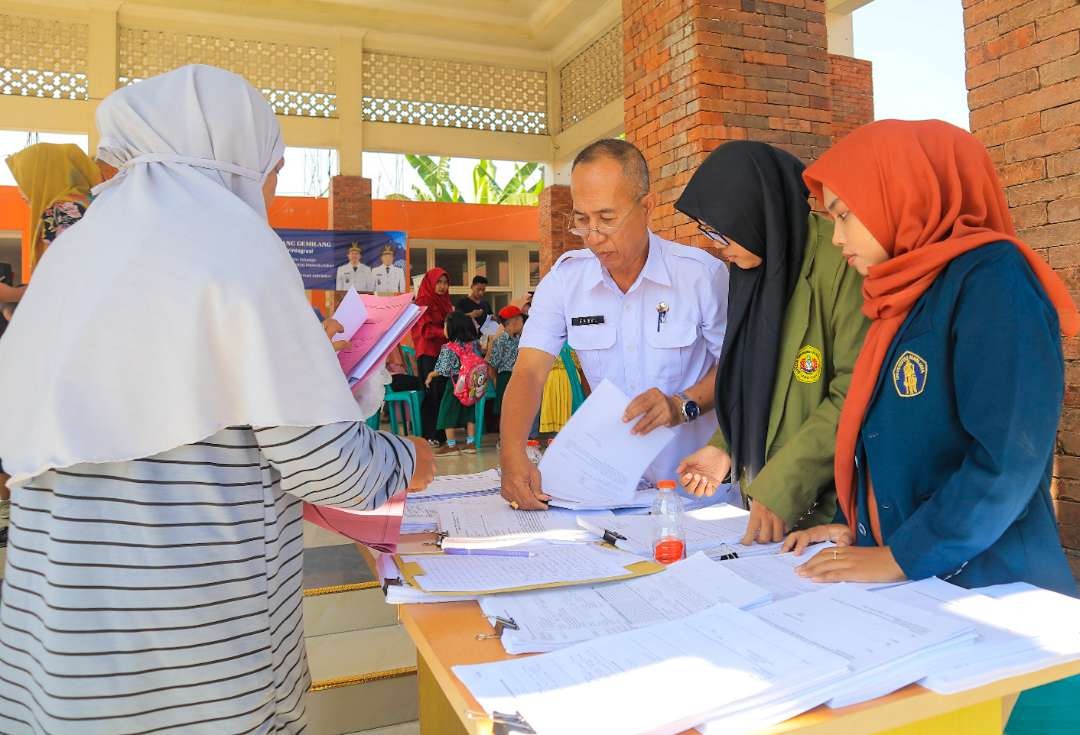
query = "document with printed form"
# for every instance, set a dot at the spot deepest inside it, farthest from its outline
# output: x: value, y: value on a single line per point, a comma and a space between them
x: 595, y: 459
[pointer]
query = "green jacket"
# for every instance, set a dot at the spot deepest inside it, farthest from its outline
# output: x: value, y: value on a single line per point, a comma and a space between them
x: 822, y: 333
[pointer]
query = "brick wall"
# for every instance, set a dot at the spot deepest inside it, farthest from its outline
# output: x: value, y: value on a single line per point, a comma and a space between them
x: 852, y: 85
x: 555, y: 208
x: 350, y: 203
x: 1023, y: 78
x: 701, y: 72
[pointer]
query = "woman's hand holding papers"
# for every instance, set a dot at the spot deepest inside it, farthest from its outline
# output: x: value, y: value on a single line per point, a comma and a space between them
x: 425, y: 465
x: 704, y: 471
x: 332, y: 327
x: 521, y: 483
x: 763, y: 526
x: 843, y: 562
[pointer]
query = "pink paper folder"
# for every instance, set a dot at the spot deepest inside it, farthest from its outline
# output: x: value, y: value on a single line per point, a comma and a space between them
x: 378, y: 529
x: 388, y: 319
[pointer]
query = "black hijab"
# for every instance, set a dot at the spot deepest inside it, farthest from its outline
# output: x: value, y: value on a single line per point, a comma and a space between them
x: 754, y: 194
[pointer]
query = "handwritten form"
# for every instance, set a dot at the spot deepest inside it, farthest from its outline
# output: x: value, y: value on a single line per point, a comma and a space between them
x: 551, y: 619
x: 662, y: 679
x: 563, y: 564
x: 595, y: 459
x: 486, y: 521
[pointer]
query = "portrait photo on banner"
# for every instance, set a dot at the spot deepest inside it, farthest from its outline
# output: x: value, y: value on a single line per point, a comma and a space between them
x: 336, y: 260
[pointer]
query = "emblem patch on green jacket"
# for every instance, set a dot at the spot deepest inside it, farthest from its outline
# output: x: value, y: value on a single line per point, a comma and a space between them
x: 807, y: 367
x: 909, y: 375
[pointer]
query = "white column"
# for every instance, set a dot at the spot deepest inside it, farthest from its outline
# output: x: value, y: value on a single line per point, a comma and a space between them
x: 350, y: 83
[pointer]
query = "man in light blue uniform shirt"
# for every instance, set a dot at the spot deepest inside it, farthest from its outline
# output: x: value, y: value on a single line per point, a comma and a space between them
x: 645, y: 313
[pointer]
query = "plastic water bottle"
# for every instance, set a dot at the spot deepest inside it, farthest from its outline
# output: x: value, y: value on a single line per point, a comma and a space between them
x: 532, y: 451
x: 669, y: 539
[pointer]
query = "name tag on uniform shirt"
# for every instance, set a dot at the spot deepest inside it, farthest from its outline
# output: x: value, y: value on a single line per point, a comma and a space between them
x: 587, y: 321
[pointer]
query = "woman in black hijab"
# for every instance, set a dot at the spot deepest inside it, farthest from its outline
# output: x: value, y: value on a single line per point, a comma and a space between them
x: 794, y: 330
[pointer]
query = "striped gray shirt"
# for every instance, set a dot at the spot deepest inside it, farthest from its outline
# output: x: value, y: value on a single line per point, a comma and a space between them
x: 164, y: 595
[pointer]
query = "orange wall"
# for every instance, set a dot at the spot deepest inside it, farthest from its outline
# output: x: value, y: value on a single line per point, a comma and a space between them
x: 428, y: 220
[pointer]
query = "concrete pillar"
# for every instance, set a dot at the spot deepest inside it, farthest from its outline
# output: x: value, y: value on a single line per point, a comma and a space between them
x: 554, y: 211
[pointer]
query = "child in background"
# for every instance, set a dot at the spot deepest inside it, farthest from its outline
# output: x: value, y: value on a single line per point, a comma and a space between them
x: 461, y: 335
x: 504, y: 351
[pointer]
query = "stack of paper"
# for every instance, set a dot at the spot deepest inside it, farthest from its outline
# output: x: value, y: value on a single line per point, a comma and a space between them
x: 716, y: 528
x: 776, y: 572
x: 595, y: 461
x: 420, y: 514
x: 888, y: 644
x: 399, y: 593
x: 419, y: 517
x: 553, y: 566
x: 664, y: 678
x: 387, y: 319
x: 547, y: 620
x: 488, y: 522
x: 1012, y: 640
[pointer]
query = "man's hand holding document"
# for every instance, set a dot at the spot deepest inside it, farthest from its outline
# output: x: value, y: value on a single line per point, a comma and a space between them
x: 595, y: 459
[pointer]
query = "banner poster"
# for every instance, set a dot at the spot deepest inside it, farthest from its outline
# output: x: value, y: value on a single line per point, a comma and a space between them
x: 338, y: 260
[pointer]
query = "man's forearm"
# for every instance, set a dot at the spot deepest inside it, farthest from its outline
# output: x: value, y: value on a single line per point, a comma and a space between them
x: 703, y: 392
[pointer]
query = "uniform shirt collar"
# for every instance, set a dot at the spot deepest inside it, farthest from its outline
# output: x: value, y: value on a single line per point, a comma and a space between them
x: 655, y: 269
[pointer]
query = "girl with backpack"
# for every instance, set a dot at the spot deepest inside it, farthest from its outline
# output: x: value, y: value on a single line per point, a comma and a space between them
x: 461, y: 361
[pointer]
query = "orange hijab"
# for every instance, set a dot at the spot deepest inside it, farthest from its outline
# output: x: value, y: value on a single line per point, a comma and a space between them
x: 928, y: 192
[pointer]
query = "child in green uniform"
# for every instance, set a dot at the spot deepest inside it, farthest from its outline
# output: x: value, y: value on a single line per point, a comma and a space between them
x: 461, y: 335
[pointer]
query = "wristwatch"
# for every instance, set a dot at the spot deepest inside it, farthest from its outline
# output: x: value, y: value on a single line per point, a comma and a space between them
x: 690, y: 410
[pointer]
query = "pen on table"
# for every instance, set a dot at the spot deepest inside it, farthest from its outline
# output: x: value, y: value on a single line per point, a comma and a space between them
x: 487, y: 552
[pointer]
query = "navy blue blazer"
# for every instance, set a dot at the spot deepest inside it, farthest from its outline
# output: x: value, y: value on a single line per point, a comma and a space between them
x: 959, y: 434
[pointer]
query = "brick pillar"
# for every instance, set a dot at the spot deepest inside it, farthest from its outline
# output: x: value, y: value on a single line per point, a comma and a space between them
x: 852, y: 85
x: 1023, y: 78
x: 701, y: 72
x: 555, y: 208
x: 350, y: 203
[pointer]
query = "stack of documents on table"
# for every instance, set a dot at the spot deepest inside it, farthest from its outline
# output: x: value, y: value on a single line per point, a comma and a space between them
x: 776, y: 572
x: 663, y: 678
x: 716, y: 528
x: 546, y: 620
x: 594, y: 461
x: 383, y: 325
x: 420, y: 515
x: 399, y: 593
x: 1026, y: 630
x: 888, y: 644
x: 488, y: 522
x: 551, y: 566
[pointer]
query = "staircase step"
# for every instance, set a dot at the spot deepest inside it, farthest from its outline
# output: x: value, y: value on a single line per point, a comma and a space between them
x: 351, y: 609
x: 361, y: 680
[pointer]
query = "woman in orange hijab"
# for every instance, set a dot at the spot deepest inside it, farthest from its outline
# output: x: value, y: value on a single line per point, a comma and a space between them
x: 946, y: 439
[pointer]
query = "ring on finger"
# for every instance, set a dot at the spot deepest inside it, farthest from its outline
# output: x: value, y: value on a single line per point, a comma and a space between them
x: 514, y: 504
x: 835, y: 554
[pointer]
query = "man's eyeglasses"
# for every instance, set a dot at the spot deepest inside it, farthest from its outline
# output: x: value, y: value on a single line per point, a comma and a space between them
x: 713, y: 235
x: 604, y: 230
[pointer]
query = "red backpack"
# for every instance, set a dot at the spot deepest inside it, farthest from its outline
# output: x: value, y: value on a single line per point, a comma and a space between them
x: 472, y: 378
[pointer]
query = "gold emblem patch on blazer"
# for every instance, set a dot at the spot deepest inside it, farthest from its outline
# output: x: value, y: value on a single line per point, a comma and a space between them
x: 909, y: 375
x: 807, y: 367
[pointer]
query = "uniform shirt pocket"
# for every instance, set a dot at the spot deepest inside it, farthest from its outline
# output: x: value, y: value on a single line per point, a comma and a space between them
x: 592, y: 344
x: 669, y: 349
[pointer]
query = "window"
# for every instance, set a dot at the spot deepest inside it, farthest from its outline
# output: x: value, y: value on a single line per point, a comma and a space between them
x: 456, y: 264
x: 418, y: 262
x: 534, y: 268
x: 511, y: 268
x: 494, y: 265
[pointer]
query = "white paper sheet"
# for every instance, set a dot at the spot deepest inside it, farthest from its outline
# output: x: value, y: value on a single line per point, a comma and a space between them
x: 350, y: 314
x: 551, y: 619
x: 716, y: 527
x: 595, y: 459
x: 398, y: 593
x: 776, y: 572
x: 460, y: 485
x: 563, y: 564
x: 887, y: 643
x: 1026, y: 630
x: 490, y: 327
x: 487, y: 521
x: 661, y: 679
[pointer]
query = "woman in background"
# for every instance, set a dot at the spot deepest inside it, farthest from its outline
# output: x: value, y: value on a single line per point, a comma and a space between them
x: 429, y: 335
x: 55, y: 180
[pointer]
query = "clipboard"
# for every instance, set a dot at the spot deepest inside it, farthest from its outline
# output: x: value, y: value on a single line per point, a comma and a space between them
x: 412, y: 573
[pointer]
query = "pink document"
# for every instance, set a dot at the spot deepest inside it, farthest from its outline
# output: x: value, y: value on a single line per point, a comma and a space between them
x: 378, y: 529
x: 388, y: 319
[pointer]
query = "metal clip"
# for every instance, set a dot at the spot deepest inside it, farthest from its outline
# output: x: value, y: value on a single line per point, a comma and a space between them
x: 440, y: 536
x: 610, y: 537
x: 388, y: 581
x: 505, y: 723
x: 501, y: 624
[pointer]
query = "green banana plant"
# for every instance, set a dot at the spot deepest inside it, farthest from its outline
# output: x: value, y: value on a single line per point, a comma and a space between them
x: 438, y: 187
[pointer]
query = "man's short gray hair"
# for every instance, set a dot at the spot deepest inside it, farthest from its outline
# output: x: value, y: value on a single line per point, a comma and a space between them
x: 626, y: 154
